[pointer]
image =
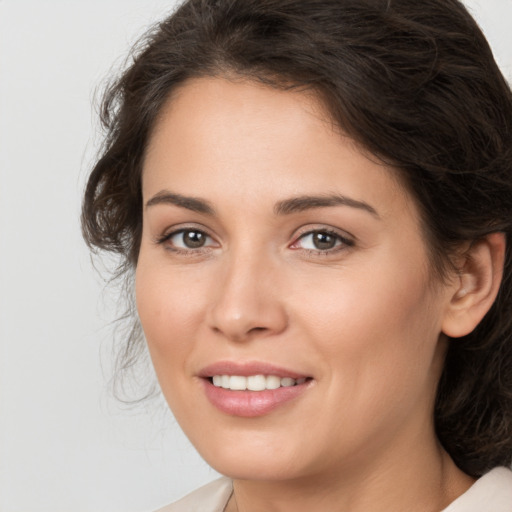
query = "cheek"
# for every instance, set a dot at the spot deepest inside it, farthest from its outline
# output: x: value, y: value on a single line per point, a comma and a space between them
x: 367, y: 306
x: 378, y: 329
x: 170, y: 306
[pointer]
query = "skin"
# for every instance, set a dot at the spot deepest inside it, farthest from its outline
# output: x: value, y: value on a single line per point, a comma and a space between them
x: 364, y: 319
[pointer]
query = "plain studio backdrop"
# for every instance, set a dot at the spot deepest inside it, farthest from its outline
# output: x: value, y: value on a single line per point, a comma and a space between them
x: 65, y: 443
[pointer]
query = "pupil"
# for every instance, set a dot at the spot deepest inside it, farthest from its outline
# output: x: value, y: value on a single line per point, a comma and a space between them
x: 193, y: 239
x: 324, y: 241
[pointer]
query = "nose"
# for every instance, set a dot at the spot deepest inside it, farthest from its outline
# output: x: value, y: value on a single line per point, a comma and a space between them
x: 249, y: 301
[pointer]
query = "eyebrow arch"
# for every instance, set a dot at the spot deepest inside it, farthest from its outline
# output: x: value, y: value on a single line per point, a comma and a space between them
x: 190, y: 203
x: 285, y: 207
x: 301, y: 203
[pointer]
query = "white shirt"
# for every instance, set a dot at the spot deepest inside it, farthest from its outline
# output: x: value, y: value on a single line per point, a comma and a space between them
x: 490, y: 493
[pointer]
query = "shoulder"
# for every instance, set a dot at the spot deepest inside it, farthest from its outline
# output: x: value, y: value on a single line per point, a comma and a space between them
x: 212, y: 497
x: 490, y: 493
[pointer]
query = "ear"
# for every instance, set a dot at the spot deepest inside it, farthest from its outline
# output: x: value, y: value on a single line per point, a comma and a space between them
x: 476, y: 285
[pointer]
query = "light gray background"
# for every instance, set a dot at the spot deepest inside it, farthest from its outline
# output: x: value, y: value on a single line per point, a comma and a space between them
x: 65, y: 443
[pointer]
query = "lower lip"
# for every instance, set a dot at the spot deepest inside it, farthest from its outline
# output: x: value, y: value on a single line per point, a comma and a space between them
x: 249, y: 404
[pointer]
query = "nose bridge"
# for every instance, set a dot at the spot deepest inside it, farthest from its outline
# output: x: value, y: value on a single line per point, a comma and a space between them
x: 248, y: 302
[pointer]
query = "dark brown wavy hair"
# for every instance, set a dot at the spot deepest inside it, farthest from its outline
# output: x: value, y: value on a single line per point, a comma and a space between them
x: 416, y: 84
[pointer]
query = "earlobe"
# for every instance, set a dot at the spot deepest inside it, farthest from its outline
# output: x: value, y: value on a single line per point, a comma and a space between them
x: 476, y: 285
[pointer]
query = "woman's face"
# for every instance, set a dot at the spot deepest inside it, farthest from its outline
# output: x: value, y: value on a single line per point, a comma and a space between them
x: 275, y: 255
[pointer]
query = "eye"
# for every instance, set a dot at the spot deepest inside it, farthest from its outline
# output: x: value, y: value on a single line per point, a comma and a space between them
x: 188, y: 239
x: 321, y: 240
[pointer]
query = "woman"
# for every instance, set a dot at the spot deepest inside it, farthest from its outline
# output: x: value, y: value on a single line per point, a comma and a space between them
x: 315, y: 200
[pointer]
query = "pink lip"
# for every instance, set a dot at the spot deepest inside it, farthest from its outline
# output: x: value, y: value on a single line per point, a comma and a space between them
x: 250, y: 404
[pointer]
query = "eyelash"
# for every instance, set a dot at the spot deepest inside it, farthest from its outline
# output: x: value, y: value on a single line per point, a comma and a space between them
x: 342, y: 242
x: 162, y: 240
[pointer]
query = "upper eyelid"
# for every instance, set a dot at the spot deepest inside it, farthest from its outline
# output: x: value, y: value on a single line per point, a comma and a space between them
x: 346, y: 239
x: 343, y: 240
x: 164, y: 240
x: 184, y: 230
x: 315, y: 228
x: 167, y: 234
x: 178, y: 228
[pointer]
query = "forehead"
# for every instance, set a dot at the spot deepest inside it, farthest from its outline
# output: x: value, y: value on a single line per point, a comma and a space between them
x: 208, y: 112
x: 215, y: 136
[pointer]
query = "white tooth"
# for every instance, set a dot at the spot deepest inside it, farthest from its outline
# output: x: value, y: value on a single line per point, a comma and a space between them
x: 287, y: 381
x: 217, y: 380
x: 301, y: 380
x: 256, y: 382
x: 237, y: 383
x: 273, y: 382
x: 225, y: 381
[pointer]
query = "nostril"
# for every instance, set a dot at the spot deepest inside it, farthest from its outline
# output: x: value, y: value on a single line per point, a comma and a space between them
x: 258, y: 329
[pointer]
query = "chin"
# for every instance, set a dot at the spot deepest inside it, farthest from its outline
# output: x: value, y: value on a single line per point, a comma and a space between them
x: 260, y: 458
x: 241, y: 467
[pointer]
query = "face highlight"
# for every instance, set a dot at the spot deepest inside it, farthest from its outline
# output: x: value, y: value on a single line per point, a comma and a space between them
x: 284, y: 287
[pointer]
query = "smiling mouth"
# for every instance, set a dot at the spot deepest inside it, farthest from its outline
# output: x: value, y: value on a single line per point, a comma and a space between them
x: 238, y: 390
x: 255, y: 382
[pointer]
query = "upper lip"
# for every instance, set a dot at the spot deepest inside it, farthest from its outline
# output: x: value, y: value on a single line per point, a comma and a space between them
x: 246, y: 369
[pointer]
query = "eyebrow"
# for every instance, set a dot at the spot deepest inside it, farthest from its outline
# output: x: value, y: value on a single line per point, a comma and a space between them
x: 285, y: 207
x: 302, y: 203
x: 190, y: 203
